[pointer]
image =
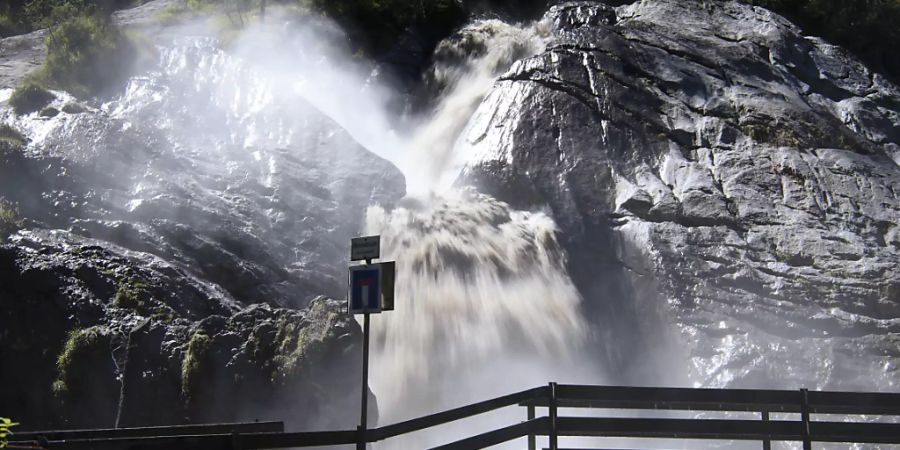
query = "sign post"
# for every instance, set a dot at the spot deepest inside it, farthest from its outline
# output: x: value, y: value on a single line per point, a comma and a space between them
x: 371, y: 290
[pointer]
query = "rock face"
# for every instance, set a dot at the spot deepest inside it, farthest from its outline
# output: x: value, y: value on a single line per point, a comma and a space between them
x: 161, y: 236
x: 718, y: 177
x: 95, y: 335
x: 167, y: 169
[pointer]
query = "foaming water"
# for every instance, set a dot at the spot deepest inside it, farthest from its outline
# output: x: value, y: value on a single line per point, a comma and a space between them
x: 484, y: 303
x: 484, y: 307
x: 466, y: 68
x: 476, y: 281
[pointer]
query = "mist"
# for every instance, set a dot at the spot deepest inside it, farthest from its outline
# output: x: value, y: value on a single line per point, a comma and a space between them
x: 485, y: 303
x: 482, y: 288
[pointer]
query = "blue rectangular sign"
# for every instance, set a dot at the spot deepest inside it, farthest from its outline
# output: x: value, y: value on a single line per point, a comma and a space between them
x: 365, y: 289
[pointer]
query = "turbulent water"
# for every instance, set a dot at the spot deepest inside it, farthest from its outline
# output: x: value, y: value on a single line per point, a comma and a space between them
x: 479, y: 286
x: 482, y: 289
x: 465, y: 69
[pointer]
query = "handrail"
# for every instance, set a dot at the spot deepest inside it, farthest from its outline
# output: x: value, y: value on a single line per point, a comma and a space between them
x: 540, y: 426
x: 694, y: 399
x: 166, y: 430
x: 554, y: 397
x: 421, y: 423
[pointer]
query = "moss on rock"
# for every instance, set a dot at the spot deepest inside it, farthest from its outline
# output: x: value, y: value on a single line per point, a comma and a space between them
x: 10, y: 220
x: 78, y: 343
x: 49, y: 112
x: 128, y: 296
x: 291, y: 341
x: 196, y: 356
x: 29, y: 97
x: 73, y: 108
x: 11, y: 136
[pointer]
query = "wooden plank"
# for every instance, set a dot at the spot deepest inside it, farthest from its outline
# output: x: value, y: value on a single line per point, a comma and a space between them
x: 680, y: 428
x: 755, y: 400
x: 627, y: 397
x: 169, y: 430
x: 856, y: 432
x: 441, y: 418
x: 212, y: 441
x: 854, y: 403
x: 499, y: 436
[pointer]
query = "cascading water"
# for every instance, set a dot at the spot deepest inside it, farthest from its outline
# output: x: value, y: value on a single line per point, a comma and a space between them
x: 482, y: 290
x: 465, y: 70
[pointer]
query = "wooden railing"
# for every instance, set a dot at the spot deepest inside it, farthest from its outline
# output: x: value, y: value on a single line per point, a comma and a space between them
x: 552, y: 398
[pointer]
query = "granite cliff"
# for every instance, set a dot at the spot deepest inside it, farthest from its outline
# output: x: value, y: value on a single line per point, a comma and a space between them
x: 708, y: 196
x: 726, y: 188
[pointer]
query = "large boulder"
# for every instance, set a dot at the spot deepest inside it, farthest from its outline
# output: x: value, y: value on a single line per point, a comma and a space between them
x: 719, y: 179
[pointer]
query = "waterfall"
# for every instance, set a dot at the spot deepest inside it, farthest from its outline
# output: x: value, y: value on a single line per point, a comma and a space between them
x: 479, y: 286
x: 465, y: 69
x: 484, y: 303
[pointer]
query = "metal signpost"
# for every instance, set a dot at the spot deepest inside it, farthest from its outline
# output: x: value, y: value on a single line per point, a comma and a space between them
x: 371, y: 290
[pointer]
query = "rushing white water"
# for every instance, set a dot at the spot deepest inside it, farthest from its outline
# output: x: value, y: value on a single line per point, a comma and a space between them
x: 472, y: 61
x: 482, y: 288
x: 478, y: 285
x: 484, y: 305
x: 483, y: 292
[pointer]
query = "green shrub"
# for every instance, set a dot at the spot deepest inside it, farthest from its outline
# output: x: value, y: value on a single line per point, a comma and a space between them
x: 12, y: 136
x: 10, y: 220
x: 78, y: 342
x: 30, y: 97
x: 23, y: 16
x: 195, y: 357
x: 87, y: 55
x: 46, y: 13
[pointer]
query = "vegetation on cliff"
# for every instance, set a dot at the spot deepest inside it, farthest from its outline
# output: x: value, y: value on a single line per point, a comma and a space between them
x: 10, y: 220
x: 23, y: 16
x: 196, y: 356
x: 70, y: 361
x: 29, y: 97
x: 11, y: 136
x: 86, y: 52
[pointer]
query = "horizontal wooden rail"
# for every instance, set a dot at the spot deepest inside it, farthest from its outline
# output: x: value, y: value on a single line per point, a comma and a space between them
x: 444, y: 417
x: 539, y: 426
x: 212, y: 441
x: 755, y: 430
x: 263, y: 435
x: 735, y: 400
x: 167, y: 430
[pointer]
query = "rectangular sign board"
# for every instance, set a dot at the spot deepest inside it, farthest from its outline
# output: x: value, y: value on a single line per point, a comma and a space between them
x: 371, y: 288
x: 364, y: 294
x: 368, y: 247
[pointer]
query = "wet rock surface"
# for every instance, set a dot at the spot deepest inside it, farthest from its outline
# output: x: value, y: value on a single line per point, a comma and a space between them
x: 172, y: 250
x: 20, y: 56
x: 727, y: 190
x: 96, y: 335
